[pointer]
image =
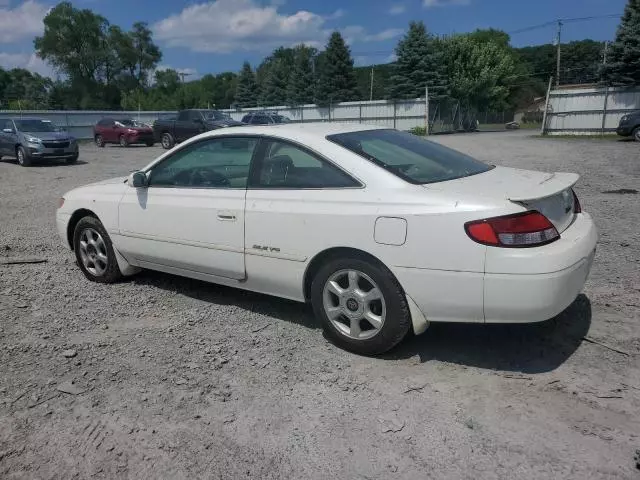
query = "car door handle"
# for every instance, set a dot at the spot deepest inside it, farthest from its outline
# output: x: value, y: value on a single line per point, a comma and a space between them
x: 226, y: 217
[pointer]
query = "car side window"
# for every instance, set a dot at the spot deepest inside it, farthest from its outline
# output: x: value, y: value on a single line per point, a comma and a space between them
x: 183, y: 116
x: 285, y: 165
x: 6, y: 124
x: 195, y: 116
x: 215, y: 163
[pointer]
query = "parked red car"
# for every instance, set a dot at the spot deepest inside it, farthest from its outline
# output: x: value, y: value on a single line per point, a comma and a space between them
x: 124, y: 131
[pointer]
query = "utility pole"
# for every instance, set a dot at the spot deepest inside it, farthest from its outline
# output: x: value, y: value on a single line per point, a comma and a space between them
x: 604, y: 55
x: 558, y: 54
x: 371, y: 89
x: 182, y: 75
x: 426, y: 109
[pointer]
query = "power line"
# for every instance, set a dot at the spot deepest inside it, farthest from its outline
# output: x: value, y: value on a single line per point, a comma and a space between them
x: 563, y: 20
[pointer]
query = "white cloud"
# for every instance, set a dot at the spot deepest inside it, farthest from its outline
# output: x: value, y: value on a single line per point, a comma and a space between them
x: 27, y: 61
x: 444, y: 3
x: 20, y: 22
x: 224, y: 26
x: 397, y: 9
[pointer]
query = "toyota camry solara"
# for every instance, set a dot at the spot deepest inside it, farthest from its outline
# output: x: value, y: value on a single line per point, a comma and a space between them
x: 380, y: 230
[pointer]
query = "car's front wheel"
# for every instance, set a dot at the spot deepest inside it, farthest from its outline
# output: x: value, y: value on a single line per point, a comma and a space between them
x: 23, y: 157
x: 361, y: 305
x: 636, y: 134
x: 99, y: 141
x: 124, y: 141
x: 94, y: 251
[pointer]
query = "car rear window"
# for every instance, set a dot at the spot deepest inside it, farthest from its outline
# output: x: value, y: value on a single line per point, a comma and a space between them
x: 410, y: 157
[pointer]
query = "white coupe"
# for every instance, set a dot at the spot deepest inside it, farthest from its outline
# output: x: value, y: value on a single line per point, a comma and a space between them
x: 380, y: 230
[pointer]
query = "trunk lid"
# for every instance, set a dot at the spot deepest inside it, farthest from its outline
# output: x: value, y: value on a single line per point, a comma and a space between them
x: 548, y: 193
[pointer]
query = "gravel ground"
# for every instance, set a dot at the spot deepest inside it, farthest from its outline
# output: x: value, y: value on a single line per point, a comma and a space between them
x: 165, y: 377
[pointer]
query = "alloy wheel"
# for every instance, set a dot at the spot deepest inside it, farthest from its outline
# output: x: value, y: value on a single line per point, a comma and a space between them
x: 93, y: 252
x: 354, y: 304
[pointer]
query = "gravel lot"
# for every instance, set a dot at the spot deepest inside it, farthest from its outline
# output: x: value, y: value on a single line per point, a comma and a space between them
x: 175, y: 378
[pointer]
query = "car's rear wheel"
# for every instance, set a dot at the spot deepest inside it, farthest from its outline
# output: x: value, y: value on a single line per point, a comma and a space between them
x: 124, y: 142
x: 167, y: 141
x: 94, y: 251
x: 361, y: 305
x: 99, y: 141
x: 636, y: 134
x: 23, y: 157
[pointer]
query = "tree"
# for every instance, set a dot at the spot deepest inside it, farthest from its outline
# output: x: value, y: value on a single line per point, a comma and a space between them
x: 336, y: 79
x: 74, y: 42
x: 274, y: 91
x: 381, y: 80
x: 419, y: 64
x: 247, y: 89
x: 302, y: 80
x: 623, y: 62
x: 498, y: 37
x: 168, y: 81
x: 479, y: 73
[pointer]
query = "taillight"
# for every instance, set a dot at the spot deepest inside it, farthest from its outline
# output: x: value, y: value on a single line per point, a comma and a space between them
x: 527, y: 229
x: 577, y: 208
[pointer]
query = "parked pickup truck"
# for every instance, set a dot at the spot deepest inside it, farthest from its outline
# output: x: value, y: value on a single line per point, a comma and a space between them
x: 188, y: 124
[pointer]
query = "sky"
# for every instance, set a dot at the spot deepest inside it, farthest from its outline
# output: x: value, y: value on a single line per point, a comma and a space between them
x: 199, y: 37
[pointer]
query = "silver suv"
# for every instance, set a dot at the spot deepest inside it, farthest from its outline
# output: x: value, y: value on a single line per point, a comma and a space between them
x: 31, y: 139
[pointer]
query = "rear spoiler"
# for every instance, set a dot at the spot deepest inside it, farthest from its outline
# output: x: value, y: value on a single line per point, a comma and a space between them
x: 552, y: 184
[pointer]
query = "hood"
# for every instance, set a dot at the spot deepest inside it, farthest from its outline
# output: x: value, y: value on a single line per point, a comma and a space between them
x: 224, y: 123
x: 109, y: 181
x: 49, y: 136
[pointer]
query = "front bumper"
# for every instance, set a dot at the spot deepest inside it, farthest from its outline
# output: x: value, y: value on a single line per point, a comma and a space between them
x: 39, y: 150
x: 624, y: 130
x: 62, y: 221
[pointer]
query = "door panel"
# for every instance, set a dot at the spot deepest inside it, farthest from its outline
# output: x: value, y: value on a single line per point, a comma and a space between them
x: 181, y: 227
x: 192, y: 214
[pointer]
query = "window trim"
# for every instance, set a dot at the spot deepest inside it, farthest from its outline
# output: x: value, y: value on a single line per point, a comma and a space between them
x: 148, y: 170
x: 253, y: 182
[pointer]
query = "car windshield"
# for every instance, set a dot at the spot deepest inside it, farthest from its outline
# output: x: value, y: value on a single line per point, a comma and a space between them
x: 35, y: 126
x: 214, y: 115
x: 128, y: 122
x: 409, y: 157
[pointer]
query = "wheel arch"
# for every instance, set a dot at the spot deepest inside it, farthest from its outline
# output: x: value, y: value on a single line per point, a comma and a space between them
x: 73, y: 221
x: 324, y: 256
x: 418, y: 320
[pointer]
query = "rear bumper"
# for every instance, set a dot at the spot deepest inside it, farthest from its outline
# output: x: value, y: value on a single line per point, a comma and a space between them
x: 524, y: 285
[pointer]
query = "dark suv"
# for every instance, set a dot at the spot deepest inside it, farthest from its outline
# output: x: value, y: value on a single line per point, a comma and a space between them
x: 630, y: 126
x: 264, y: 118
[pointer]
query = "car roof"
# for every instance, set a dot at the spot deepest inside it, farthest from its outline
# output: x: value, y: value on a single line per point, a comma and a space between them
x: 316, y: 129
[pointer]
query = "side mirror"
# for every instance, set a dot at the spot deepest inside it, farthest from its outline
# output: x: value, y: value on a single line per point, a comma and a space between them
x: 7, y: 130
x: 138, y: 180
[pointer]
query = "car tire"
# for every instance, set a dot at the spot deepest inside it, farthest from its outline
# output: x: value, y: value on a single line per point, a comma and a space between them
x: 73, y: 159
x: 99, y: 141
x: 345, y: 316
x: 124, y: 142
x: 94, y: 251
x: 23, y: 157
x: 150, y: 144
x: 636, y: 134
x: 167, y: 141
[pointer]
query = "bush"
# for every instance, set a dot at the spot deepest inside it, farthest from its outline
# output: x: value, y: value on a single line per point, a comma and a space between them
x: 420, y: 131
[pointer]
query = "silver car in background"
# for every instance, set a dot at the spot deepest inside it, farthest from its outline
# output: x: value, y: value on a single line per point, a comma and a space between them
x: 32, y: 139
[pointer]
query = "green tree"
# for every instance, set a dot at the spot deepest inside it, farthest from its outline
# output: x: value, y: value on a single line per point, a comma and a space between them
x: 381, y: 80
x: 336, y: 77
x: 498, y: 37
x: 247, y: 89
x: 280, y: 56
x: 167, y: 81
x: 419, y: 63
x: 479, y: 73
x: 302, y: 80
x: 623, y: 63
x: 274, y: 91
